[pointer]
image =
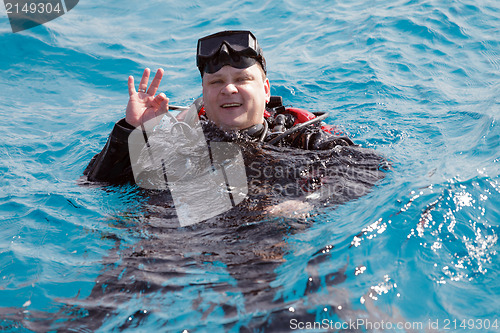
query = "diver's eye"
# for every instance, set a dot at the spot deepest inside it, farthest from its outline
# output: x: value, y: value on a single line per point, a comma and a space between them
x: 243, y: 79
x: 218, y: 81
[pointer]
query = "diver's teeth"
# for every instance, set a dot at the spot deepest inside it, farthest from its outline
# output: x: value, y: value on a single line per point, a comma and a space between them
x: 229, y: 105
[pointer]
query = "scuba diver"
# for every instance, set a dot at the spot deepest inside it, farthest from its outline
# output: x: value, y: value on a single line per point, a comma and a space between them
x: 236, y: 97
x: 281, y: 146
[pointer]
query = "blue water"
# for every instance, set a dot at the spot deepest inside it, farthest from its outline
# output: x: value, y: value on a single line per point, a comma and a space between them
x: 418, y: 81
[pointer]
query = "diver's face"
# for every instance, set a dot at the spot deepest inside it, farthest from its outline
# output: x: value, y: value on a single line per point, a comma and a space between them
x: 236, y: 98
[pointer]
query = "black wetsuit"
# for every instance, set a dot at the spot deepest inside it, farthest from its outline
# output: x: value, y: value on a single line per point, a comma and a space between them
x: 113, y: 165
x: 308, y: 161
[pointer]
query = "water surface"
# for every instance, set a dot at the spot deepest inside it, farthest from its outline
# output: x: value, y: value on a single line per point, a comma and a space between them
x: 416, y: 81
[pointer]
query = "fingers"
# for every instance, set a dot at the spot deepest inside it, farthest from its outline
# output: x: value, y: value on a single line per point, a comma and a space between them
x: 158, y: 101
x: 144, y: 106
x: 143, y: 85
x: 131, y: 88
x: 163, y: 107
x: 156, y: 82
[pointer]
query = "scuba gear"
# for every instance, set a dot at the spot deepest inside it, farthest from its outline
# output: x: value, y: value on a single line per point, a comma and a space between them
x: 238, y: 49
x: 113, y: 163
x: 281, y: 122
x: 297, y: 127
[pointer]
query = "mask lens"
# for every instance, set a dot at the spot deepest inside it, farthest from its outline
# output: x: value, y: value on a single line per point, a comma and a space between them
x: 237, y: 40
x: 216, y: 64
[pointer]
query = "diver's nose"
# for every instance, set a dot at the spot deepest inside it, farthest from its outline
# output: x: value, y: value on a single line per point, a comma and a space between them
x: 229, y: 89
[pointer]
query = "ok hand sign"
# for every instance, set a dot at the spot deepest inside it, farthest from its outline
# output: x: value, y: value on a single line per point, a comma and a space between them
x: 142, y: 104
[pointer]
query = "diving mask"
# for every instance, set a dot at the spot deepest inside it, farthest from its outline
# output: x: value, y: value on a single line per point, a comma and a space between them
x: 238, y: 49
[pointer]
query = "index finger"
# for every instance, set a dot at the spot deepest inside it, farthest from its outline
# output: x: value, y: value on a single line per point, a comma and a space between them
x: 156, y: 82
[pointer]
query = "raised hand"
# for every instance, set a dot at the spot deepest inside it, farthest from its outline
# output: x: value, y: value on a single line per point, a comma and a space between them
x: 142, y: 104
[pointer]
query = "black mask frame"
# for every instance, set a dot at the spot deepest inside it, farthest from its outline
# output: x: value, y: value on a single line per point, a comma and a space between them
x: 236, y: 48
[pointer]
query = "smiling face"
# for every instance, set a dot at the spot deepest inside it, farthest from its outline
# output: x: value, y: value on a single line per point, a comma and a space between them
x: 236, y: 98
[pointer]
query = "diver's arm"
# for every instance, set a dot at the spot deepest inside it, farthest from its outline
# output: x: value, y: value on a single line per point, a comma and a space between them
x: 112, y: 164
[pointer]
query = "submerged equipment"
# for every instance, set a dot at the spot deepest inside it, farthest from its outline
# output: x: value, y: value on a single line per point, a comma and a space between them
x: 236, y: 48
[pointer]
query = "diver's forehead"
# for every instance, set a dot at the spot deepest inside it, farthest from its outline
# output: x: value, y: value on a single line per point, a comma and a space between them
x: 230, y: 70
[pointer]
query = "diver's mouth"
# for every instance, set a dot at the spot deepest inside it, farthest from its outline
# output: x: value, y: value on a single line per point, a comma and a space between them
x: 231, y: 105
